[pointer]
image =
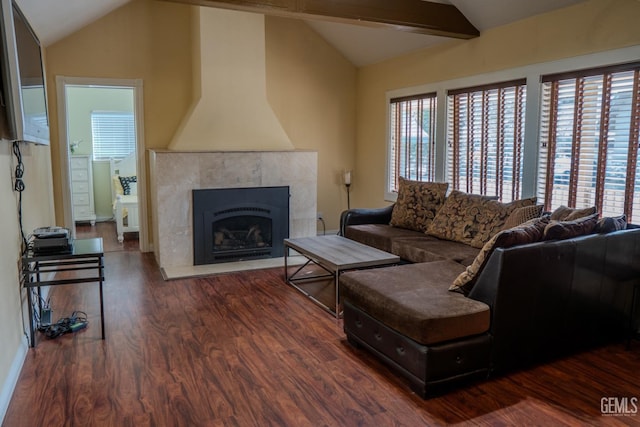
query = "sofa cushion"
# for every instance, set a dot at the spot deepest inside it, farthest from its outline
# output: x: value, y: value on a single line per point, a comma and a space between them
x: 608, y: 224
x: 528, y: 232
x: 429, y: 249
x: 412, y: 300
x: 379, y: 236
x: 417, y: 203
x: 564, y: 213
x: 471, y: 218
x: 559, y: 230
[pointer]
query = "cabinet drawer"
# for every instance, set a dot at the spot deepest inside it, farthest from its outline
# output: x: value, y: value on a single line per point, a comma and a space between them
x: 80, y: 187
x: 79, y: 175
x: 81, y: 199
x: 78, y: 163
x: 80, y: 212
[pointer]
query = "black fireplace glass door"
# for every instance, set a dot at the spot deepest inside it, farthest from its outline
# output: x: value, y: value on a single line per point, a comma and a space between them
x: 241, y: 233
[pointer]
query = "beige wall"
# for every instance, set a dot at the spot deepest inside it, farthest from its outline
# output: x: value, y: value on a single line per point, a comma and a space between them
x: 593, y: 26
x: 230, y: 110
x: 145, y: 39
x: 37, y: 210
x: 311, y: 88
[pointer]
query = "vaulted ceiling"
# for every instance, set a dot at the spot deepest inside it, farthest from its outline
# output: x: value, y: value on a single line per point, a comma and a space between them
x: 365, y: 31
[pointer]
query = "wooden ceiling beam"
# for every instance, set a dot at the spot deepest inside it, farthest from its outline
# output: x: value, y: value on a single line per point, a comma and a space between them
x: 417, y: 16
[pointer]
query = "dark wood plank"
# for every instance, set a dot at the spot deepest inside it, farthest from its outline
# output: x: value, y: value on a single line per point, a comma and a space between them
x: 246, y: 349
x: 417, y: 16
x: 339, y: 253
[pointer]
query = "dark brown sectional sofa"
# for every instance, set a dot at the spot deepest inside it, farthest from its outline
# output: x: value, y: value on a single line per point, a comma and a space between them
x: 452, y: 311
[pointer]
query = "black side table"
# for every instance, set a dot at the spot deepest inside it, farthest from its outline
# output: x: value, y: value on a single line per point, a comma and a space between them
x: 86, y: 255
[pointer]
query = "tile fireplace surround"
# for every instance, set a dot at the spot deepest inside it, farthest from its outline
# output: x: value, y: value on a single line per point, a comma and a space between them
x: 175, y: 173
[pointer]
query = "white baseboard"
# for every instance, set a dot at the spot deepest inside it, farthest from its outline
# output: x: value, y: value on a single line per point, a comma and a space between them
x: 327, y: 232
x: 12, y: 378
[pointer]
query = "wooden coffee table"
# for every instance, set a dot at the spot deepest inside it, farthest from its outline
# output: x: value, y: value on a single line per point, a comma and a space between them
x: 334, y: 255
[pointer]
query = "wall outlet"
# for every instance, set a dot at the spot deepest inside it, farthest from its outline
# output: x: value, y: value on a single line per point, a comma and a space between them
x: 319, y: 216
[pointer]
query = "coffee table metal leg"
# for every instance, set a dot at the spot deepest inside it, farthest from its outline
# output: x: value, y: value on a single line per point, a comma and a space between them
x: 338, y: 307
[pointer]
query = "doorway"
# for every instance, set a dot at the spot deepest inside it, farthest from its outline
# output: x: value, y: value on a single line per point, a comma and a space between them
x: 102, y: 153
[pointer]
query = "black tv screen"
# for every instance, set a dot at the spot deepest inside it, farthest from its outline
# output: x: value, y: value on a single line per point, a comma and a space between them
x: 35, y: 125
x: 23, y: 106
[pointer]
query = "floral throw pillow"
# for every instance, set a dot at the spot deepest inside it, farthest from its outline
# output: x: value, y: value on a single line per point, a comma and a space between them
x: 417, y: 204
x: 493, y: 217
x: 471, y: 218
x: 456, y: 219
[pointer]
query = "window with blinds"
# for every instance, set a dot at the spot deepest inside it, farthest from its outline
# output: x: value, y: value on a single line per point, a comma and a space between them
x: 412, y: 132
x: 589, y: 140
x: 114, y: 134
x: 485, y: 132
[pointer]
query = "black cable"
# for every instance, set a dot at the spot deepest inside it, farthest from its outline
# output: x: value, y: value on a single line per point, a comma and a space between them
x: 18, y: 185
x: 324, y: 226
x: 77, y: 320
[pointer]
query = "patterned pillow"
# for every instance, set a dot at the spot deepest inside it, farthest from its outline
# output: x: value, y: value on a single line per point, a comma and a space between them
x: 125, y: 181
x: 528, y: 232
x: 559, y: 230
x: 609, y: 224
x: 493, y: 217
x: 564, y: 213
x: 417, y: 204
x: 456, y: 219
x: 522, y: 215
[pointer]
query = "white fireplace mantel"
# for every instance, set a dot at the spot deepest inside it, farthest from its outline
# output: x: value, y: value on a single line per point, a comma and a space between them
x: 174, y: 174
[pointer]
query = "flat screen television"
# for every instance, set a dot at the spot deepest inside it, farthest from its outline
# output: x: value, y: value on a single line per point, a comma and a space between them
x: 23, y: 107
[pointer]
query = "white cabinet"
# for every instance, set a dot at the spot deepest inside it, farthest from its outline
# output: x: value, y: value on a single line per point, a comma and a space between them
x: 82, y: 189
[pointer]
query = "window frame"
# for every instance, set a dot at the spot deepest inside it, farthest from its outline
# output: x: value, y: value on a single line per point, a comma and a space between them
x: 592, y: 117
x: 533, y: 74
x: 485, y: 97
x: 395, y: 132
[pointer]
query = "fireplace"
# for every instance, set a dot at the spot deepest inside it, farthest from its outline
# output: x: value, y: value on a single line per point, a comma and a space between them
x: 237, y: 224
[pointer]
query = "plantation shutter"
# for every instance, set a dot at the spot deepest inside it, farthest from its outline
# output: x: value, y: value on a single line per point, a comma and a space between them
x: 412, y: 147
x: 485, y: 131
x: 114, y: 134
x: 589, y: 140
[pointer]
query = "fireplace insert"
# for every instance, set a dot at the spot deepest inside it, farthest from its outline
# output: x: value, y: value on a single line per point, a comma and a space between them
x: 235, y: 224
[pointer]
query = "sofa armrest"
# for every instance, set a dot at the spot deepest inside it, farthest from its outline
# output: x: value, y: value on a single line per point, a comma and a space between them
x: 365, y: 216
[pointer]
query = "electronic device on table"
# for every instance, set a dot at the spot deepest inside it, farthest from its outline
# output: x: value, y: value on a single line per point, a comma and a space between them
x: 51, y: 240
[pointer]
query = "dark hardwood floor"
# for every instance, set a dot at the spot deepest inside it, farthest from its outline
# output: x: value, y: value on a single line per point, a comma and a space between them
x: 245, y: 349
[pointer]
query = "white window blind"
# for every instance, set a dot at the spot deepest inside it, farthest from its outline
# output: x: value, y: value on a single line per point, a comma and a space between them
x: 589, y: 140
x: 412, y: 147
x: 114, y: 134
x: 485, y: 131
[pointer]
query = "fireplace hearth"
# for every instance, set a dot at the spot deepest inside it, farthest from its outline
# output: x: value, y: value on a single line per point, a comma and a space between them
x: 237, y: 224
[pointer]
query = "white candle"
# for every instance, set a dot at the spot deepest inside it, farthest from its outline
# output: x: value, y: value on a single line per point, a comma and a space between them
x: 347, y: 177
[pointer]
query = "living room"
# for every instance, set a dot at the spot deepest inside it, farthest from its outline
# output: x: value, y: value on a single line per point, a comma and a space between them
x: 323, y: 102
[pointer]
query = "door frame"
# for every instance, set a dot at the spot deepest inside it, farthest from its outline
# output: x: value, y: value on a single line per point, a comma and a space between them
x: 136, y: 84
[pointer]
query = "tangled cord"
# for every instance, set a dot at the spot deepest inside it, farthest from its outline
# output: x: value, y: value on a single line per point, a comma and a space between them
x: 19, y: 187
x: 77, y: 320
